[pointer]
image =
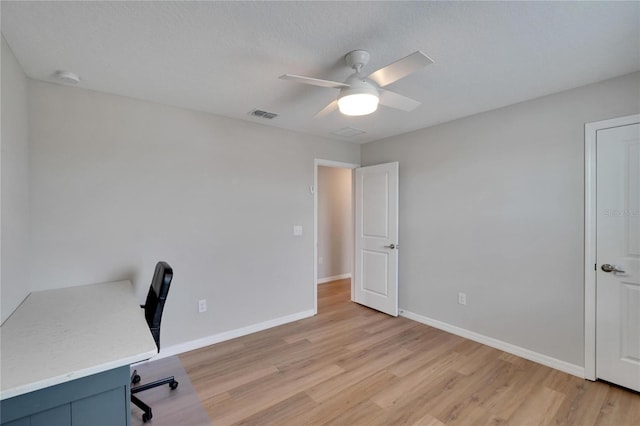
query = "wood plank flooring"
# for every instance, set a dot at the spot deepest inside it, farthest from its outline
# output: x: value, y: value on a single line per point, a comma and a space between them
x: 350, y: 365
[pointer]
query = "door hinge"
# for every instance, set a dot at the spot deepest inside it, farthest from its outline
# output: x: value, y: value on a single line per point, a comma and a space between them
x: 595, y: 266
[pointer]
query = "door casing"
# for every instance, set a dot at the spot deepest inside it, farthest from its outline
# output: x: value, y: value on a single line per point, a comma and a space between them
x: 590, y: 237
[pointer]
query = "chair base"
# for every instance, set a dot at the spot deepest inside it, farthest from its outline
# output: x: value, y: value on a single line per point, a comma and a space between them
x: 173, y: 383
x: 148, y: 415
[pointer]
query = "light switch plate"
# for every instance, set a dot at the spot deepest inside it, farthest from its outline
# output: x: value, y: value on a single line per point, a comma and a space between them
x: 297, y: 230
x: 462, y: 298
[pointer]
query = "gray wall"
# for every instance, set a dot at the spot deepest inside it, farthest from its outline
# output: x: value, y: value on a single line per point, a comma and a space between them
x: 14, y: 265
x: 335, y: 222
x: 118, y: 184
x: 492, y: 205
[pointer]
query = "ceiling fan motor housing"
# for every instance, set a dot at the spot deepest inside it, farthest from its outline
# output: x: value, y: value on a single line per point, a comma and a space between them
x: 358, y: 85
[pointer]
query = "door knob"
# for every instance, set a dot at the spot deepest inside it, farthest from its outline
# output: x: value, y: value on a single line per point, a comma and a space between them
x: 611, y: 268
x: 391, y: 246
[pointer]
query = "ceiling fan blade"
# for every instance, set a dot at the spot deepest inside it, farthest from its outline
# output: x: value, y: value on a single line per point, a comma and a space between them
x: 327, y: 110
x: 397, y: 101
x: 401, y: 68
x: 312, y: 81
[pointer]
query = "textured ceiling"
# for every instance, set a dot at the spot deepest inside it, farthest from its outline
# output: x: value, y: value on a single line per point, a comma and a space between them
x: 225, y: 57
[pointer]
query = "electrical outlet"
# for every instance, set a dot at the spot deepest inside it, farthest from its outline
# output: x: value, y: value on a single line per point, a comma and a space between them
x: 297, y: 230
x: 202, y: 305
x: 462, y: 298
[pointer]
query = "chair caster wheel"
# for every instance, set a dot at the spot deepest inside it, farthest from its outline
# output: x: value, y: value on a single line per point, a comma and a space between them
x: 135, y: 379
x: 173, y: 385
x: 146, y: 417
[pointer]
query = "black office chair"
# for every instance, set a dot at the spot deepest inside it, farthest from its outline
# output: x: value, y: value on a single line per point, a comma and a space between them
x: 153, y: 313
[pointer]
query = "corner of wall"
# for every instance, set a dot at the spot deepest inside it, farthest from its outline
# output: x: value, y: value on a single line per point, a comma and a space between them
x: 14, y: 181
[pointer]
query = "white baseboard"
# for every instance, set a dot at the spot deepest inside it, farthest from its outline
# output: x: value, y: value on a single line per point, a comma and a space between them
x: 564, y: 366
x: 333, y: 278
x: 231, y: 334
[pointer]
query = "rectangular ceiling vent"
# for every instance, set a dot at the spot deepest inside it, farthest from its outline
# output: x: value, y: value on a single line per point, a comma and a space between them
x: 348, y: 132
x: 263, y: 114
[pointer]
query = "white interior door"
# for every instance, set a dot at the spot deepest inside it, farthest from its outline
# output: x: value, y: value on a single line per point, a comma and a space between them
x: 376, y: 239
x: 618, y: 255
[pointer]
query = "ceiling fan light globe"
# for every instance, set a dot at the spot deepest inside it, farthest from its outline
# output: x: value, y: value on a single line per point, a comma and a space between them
x: 358, y: 104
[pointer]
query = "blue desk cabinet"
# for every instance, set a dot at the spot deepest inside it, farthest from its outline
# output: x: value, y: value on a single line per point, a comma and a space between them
x: 98, y: 400
x: 66, y: 361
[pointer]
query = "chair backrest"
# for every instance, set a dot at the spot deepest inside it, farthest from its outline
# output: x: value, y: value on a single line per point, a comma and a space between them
x: 156, y: 297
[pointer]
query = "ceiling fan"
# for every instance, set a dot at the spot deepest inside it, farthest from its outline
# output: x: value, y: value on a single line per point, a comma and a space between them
x: 360, y: 95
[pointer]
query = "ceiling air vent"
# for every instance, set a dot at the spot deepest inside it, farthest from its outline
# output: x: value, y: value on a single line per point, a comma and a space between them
x: 348, y: 132
x: 263, y: 114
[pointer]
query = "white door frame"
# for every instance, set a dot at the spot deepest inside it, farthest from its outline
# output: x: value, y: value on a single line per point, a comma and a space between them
x: 590, y: 213
x: 327, y: 163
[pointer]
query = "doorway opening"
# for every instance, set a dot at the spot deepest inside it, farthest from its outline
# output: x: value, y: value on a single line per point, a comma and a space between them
x: 334, y: 228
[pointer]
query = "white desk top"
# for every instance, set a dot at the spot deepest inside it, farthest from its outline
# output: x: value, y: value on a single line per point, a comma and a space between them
x: 60, y: 335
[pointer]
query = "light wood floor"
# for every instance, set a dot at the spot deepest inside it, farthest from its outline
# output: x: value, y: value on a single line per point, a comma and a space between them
x: 350, y: 365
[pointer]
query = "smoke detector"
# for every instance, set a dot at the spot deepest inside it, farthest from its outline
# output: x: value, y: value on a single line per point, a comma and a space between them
x: 67, y: 77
